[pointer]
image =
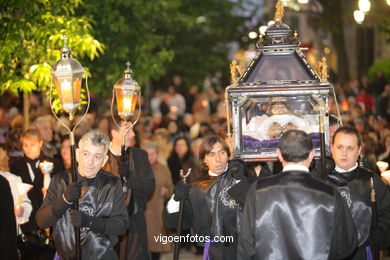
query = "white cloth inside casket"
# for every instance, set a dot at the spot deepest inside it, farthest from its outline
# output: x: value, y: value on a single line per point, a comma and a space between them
x: 258, y: 126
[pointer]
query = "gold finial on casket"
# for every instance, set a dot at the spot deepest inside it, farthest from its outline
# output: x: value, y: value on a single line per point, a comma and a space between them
x: 279, y: 13
x: 322, y: 69
x: 235, y: 71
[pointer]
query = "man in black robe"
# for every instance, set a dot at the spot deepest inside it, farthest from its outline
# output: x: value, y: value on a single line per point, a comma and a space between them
x: 138, y: 184
x: 293, y: 215
x: 354, y: 185
x: 102, y: 214
x: 212, y: 206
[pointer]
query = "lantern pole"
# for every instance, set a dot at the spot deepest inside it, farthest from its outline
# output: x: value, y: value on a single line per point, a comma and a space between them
x: 68, y: 73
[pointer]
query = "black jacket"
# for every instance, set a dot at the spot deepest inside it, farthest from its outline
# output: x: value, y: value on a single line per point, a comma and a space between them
x: 211, y: 211
x: 103, y: 200
x: 355, y: 188
x: 294, y: 216
x: 7, y: 221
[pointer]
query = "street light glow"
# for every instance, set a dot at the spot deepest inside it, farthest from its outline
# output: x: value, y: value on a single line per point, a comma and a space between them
x: 359, y: 16
x: 364, y: 5
x: 388, y: 2
x: 303, y: 1
x: 272, y: 21
x: 252, y: 35
x: 263, y: 28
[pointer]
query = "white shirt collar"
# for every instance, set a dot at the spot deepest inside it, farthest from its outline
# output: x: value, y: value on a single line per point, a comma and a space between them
x: 214, y: 174
x: 295, y: 167
x: 338, y: 169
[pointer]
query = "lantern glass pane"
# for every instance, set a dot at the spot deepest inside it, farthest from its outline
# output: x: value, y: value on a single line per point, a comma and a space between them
x: 127, y: 103
x: 66, y: 93
x: 119, y: 100
x: 77, y: 89
x: 135, y: 100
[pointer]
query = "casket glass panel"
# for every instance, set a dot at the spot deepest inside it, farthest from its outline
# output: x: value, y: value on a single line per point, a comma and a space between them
x: 278, y: 67
x: 265, y: 118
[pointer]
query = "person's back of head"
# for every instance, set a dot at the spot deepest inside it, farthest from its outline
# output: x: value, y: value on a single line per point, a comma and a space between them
x: 295, y: 146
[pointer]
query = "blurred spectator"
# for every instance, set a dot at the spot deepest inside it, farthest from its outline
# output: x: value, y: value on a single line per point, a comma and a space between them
x: 22, y: 207
x: 44, y: 125
x: 161, y: 138
x: 3, y: 124
x: 155, y: 102
x: 182, y: 158
x: 367, y: 100
x: 191, y: 98
x: 173, y: 129
x: 378, y: 87
x: 102, y: 124
x: 195, y: 145
x: 384, y: 103
x: 179, y: 87
x: 386, y: 153
x: 13, y: 145
x: 368, y: 157
x: 65, y: 152
x: 178, y: 103
x: 154, y: 207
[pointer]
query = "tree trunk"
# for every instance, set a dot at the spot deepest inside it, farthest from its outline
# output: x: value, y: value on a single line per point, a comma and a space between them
x: 26, y: 110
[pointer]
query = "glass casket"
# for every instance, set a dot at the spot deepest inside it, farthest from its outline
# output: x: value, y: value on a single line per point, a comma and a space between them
x: 278, y: 91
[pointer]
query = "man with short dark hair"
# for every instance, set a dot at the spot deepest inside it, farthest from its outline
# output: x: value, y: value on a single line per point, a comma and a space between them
x: 102, y: 214
x: 354, y: 184
x: 293, y: 215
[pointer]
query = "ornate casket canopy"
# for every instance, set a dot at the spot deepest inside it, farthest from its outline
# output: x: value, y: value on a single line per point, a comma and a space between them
x: 278, y: 91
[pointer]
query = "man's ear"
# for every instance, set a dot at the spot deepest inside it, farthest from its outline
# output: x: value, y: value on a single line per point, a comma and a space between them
x: 360, y: 150
x: 279, y: 153
x: 77, y: 154
x: 41, y: 144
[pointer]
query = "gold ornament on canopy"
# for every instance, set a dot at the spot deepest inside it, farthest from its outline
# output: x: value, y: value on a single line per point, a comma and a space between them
x: 279, y: 13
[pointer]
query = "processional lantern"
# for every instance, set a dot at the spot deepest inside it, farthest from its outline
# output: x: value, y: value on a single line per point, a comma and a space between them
x: 128, y: 94
x: 278, y: 91
x: 68, y: 74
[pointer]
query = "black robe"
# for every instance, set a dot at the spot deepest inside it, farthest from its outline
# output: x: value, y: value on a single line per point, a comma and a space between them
x: 140, y: 184
x: 294, y: 216
x: 355, y: 188
x: 103, y: 199
x: 211, y: 211
x: 7, y: 222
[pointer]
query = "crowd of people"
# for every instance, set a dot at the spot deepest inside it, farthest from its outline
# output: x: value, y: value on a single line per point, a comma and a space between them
x: 184, y: 130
